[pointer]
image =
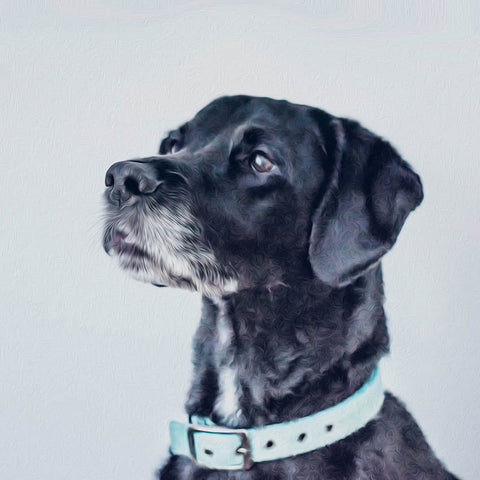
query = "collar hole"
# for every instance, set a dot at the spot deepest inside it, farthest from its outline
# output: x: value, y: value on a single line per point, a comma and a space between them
x: 269, y: 444
x: 329, y: 428
x: 208, y: 452
x: 302, y: 437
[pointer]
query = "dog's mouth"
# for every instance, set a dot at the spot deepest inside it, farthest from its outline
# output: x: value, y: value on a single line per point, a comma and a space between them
x: 138, y: 261
x: 116, y: 242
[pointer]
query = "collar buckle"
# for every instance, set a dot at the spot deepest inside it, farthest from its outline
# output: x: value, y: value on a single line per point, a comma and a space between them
x: 244, y: 449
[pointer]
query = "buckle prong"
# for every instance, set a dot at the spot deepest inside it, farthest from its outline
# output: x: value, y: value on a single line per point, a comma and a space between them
x: 244, y: 449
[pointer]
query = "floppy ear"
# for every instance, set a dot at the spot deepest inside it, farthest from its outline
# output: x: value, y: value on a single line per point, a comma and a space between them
x: 369, y: 194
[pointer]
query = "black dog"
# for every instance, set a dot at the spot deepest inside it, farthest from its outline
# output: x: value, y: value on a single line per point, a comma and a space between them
x: 279, y: 215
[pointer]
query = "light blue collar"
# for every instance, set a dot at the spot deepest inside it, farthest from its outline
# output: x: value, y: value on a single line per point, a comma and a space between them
x: 222, y: 448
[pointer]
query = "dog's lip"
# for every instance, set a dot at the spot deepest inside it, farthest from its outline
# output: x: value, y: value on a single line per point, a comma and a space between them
x: 117, y: 243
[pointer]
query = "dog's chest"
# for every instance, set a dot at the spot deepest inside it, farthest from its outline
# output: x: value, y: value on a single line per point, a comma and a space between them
x: 227, y: 404
x: 251, y: 364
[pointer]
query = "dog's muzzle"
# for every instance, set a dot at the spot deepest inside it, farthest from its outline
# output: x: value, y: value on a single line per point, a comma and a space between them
x: 152, y: 230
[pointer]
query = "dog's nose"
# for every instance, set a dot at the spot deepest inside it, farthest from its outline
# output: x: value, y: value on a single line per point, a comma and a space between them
x: 130, y: 179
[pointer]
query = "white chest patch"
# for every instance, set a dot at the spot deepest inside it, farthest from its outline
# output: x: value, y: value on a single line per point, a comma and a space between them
x: 227, y: 405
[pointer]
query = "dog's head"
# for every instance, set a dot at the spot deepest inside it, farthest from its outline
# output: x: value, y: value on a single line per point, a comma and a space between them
x: 257, y: 192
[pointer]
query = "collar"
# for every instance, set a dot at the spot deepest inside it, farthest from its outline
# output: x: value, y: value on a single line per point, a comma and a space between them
x: 223, y: 448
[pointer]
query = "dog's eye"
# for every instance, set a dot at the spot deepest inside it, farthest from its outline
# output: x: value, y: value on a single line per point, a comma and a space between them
x: 170, y: 145
x: 260, y: 163
x: 174, y: 146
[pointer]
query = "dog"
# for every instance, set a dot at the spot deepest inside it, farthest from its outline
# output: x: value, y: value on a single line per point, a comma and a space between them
x: 279, y: 215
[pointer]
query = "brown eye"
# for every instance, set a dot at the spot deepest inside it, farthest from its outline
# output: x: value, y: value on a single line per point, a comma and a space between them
x: 260, y: 163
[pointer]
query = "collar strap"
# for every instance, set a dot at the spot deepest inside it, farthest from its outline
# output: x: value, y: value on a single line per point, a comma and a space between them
x: 223, y: 448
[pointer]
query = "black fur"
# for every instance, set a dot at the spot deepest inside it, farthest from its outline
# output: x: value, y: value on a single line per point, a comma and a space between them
x: 288, y: 263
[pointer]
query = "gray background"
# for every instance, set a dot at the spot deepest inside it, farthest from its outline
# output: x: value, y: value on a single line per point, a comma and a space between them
x: 92, y: 364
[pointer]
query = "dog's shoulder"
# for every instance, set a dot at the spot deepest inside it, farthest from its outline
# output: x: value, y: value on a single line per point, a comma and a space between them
x: 397, y: 444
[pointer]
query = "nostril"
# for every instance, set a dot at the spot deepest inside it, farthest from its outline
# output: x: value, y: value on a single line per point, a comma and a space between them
x: 109, y: 181
x: 132, y: 186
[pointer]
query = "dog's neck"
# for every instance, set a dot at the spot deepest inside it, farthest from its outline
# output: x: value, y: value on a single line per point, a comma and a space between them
x: 268, y: 356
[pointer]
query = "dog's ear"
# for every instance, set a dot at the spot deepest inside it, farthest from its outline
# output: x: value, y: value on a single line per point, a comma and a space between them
x: 368, y: 194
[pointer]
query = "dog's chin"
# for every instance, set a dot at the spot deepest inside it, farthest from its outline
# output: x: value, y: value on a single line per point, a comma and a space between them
x: 157, y: 278
x: 141, y: 267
